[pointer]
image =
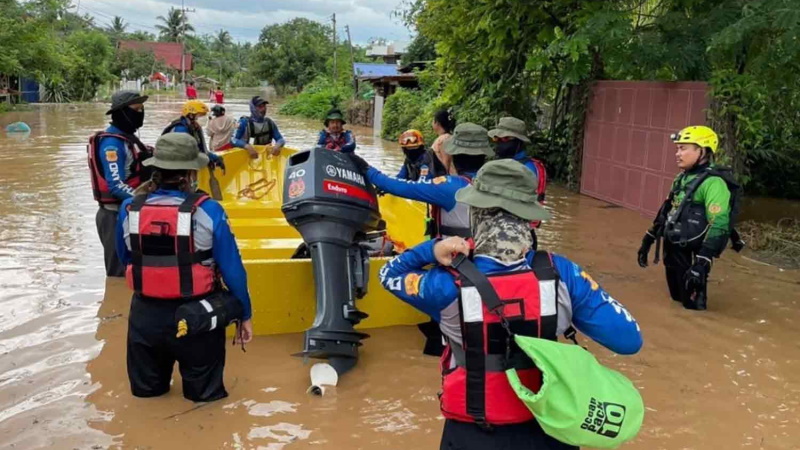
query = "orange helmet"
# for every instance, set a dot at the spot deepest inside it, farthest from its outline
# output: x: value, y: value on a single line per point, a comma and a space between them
x: 411, y: 139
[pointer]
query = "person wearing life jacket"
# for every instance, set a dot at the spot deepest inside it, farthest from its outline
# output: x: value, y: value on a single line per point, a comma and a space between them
x: 219, y: 96
x: 543, y: 294
x: 696, y: 220
x: 191, y: 91
x: 510, y: 138
x: 334, y: 136
x: 258, y: 127
x: 220, y: 129
x: 419, y: 161
x: 115, y: 166
x: 469, y: 148
x: 188, y: 123
x: 178, y: 248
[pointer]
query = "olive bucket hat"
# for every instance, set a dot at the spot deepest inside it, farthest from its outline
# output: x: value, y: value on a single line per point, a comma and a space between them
x: 334, y: 114
x: 468, y: 139
x: 121, y: 99
x: 505, y: 184
x: 510, y: 127
x: 177, y: 151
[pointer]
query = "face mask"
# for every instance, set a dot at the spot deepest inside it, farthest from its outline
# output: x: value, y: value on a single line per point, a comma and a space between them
x: 414, y: 154
x: 127, y: 119
x: 507, y: 149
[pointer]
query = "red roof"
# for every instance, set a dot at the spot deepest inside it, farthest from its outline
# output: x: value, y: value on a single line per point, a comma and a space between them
x: 167, y: 52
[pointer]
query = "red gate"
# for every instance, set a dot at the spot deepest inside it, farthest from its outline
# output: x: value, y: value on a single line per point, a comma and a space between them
x: 628, y: 158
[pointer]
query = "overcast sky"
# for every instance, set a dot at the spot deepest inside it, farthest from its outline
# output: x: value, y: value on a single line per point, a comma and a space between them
x: 244, y: 19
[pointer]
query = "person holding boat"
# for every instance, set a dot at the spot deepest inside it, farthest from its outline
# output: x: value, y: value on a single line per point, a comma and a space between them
x: 541, y: 295
x: 334, y: 136
x: 258, y: 127
x: 188, y: 123
x: 469, y: 147
x: 115, y: 166
x: 179, y: 248
x: 510, y: 138
x: 696, y: 220
x: 419, y: 161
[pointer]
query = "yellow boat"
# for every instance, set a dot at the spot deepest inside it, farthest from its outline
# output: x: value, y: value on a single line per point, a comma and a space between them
x: 282, y: 289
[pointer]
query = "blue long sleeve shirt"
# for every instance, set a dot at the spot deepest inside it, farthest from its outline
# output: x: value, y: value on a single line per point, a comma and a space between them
x: 210, y: 228
x: 116, y: 161
x: 525, y: 160
x: 238, y: 138
x: 594, y: 312
x: 349, y: 145
x: 183, y: 127
x: 440, y: 191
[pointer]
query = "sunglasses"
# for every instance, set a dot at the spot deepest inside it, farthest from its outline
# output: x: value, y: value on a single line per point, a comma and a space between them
x: 408, y: 140
x: 502, y: 138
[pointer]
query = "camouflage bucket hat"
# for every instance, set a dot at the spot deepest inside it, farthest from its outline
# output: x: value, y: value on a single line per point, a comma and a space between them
x: 468, y: 139
x: 177, y: 151
x: 510, y: 127
x: 508, y: 185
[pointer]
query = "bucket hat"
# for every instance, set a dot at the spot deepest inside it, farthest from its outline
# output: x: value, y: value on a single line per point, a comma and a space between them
x: 177, y: 151
x: 510, y: 127
x: 505, y: 184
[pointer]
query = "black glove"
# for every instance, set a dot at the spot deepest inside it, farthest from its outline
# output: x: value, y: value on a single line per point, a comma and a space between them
x: 359, y: 162
x: 697, y: 275
x: 647, y: 242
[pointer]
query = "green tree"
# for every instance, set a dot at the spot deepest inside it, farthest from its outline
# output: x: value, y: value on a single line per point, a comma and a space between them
x: 292, y: 54
x: 174, y: 25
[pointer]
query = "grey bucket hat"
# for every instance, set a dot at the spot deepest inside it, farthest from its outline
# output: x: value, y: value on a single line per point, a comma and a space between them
x: 121, y: 99
x: 468, y: 139
x: 177, y: 151
x: 505, y: 184
x: 510, y: 127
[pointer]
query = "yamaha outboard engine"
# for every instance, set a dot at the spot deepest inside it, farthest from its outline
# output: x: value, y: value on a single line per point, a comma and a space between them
x: 330, y: 203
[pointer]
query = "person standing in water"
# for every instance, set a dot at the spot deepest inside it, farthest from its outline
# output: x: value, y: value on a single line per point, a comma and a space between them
x: 115, y: 165
x: 481, y: 410
x: 178, y: 248
x: 258, y: 127
x: 696, y: 219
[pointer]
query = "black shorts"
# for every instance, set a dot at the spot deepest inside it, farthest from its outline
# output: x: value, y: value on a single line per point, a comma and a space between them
x: 153, y: 350
x: 524, y: 436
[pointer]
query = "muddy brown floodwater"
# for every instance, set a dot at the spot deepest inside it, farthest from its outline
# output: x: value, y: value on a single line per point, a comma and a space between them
x: 728, y: 378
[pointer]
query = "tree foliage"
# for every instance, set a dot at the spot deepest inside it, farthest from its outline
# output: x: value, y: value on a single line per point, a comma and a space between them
x: 174, y: 26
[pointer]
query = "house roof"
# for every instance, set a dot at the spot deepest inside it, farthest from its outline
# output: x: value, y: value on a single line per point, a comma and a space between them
x: 374, y: 70
x: 167, y: 52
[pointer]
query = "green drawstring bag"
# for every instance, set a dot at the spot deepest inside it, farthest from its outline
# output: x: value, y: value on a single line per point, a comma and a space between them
x: 581, y: 402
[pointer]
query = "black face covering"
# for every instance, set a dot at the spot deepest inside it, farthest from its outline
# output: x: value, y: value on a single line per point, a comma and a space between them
x: 468, y: 163
x: 414, y: 154
x: 127, y: 119
x: 507, y: 149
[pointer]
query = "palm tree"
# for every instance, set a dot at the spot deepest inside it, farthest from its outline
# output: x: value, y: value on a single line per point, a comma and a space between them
x: 174, y: 25
x: 223, y: 40
x: 117, y: 26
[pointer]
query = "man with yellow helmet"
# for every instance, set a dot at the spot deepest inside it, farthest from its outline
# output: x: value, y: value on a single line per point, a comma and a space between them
x: 696, y: 220
x: 187, y: 123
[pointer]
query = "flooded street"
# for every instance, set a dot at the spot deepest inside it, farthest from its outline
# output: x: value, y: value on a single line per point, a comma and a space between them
x: 728, y: 378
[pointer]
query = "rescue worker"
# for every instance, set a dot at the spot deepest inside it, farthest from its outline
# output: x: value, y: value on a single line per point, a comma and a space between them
x: 334, y: 136
x: 419, y: 162
x: 115, y: 165
x: 549, y: 293
x: 443, y: 125
x: 695, y: 220
x: 258, y: 127
x: 188, y: 123
x: 172, y: 260
x: 220, y: 129
x: 510, y: 138
x: 469, y: 148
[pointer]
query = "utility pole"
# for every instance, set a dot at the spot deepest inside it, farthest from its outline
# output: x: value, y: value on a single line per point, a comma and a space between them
x: 183, y: 41
x: 334, y: 48
x: 352, y: 60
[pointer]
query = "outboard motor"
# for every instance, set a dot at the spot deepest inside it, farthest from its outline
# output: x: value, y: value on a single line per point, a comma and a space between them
x: 333, y: 207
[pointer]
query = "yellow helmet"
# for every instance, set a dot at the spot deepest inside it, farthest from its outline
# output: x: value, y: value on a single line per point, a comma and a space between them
x: 698, y: 135
x: 195, y: 107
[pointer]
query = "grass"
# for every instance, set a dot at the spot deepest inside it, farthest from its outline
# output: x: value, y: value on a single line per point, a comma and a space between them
x: 777, y: 244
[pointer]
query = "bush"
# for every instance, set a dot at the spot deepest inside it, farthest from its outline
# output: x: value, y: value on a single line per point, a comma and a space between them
x: 405, y: 107
x: 316, y: 99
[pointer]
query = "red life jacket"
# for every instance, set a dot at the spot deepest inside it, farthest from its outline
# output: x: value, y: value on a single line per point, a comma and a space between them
x: 439, y: 229
x: 541, y: 188
x: 474, y: 383
x: 100, y: 188
x: 335, y: 144
x: 164, y: 263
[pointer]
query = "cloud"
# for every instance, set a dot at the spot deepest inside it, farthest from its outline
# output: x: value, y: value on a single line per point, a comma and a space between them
x: 244, y: 19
